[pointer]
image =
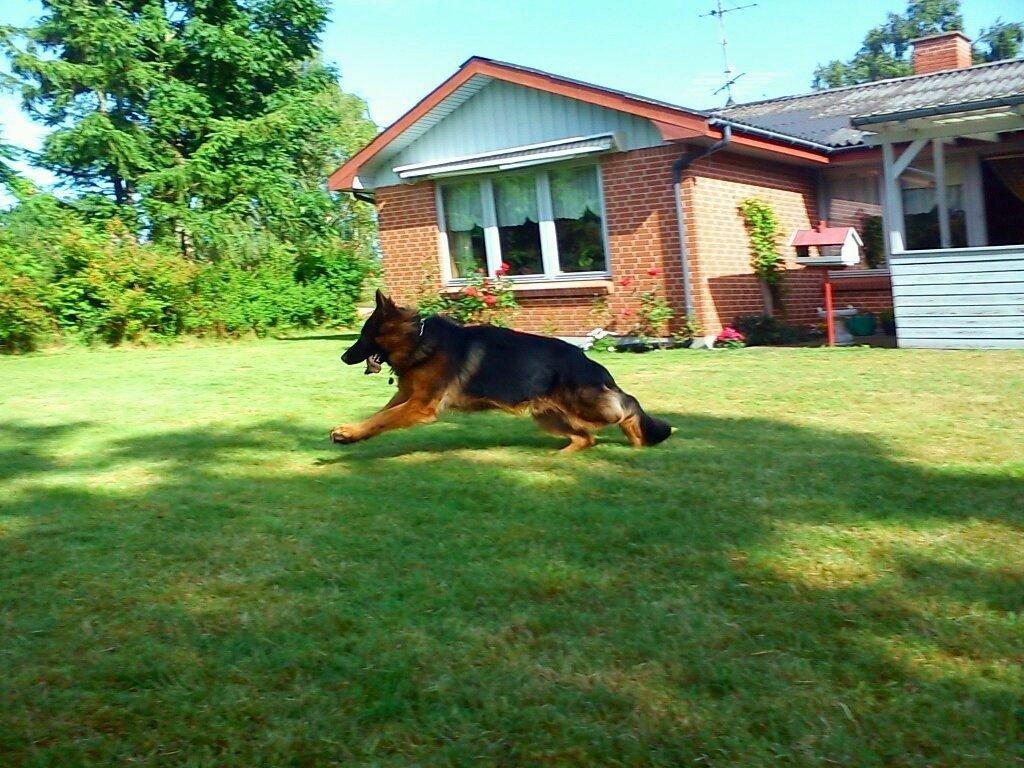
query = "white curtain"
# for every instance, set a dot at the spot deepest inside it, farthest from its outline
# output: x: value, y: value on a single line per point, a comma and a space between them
x: 462, y: 207
x: 922, y: 199
x: 574, y: 191
x: 515, y: 199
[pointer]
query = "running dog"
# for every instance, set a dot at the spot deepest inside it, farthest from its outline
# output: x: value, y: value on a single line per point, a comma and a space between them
x: 443, y: 365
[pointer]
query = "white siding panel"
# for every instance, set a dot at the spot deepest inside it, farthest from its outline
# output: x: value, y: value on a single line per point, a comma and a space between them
x: 951, y: 311
x: 972, y: 300
x: 957, y: 267
x: 959, y: 289
x: 502, y: 115
x: 960, y: 298
x: 963, y: 321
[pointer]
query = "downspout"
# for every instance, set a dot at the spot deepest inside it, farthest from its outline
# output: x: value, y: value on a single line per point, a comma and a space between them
x: 678, y: 167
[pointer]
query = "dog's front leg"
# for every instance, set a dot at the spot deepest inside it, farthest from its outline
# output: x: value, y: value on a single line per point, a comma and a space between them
x: 406, y: 414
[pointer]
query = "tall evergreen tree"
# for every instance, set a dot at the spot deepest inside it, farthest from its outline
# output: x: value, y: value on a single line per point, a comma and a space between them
x: 214, y: 120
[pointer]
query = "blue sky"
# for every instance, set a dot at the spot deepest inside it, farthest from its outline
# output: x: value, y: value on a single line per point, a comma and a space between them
x: 391, y: 52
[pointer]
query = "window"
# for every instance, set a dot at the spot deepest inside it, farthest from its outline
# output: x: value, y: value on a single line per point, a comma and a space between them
x: 576, y: 209
x: 543, y: 224
x: 515, y: 207
x: 921, y: 217
x: 464, y: 223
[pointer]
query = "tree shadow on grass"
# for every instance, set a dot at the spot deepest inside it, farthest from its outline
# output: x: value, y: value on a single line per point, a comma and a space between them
x: 459, y: 593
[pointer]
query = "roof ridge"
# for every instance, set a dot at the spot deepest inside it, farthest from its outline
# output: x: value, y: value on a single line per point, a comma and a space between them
x: 886, y: 81
x: 588, y: 84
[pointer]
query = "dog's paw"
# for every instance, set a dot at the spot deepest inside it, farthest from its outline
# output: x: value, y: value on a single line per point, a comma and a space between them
x: 344, y: 434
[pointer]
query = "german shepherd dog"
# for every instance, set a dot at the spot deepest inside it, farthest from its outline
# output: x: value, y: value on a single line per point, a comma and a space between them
x: 442, y: 365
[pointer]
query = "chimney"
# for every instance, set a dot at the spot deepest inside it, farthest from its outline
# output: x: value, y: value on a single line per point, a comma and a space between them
x: 936, y: 53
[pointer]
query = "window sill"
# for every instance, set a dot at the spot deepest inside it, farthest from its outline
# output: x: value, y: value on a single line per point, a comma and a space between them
x: 554, y: 289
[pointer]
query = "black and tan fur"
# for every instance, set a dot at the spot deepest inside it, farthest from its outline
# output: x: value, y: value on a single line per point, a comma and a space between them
x: 441, y: 365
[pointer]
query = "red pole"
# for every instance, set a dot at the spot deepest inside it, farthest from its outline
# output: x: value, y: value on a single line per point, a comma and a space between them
x: 829, y: 320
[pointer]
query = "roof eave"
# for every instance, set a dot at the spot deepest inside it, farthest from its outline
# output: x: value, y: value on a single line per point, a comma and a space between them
x: 937, y: 111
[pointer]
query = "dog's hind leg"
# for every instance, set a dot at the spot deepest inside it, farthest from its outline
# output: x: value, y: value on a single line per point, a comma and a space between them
x: 557, y: 424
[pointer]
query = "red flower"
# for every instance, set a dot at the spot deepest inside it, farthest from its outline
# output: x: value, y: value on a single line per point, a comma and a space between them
x: 653, y: 271
x: 626, y: 281
x: 471, y: 290
x: 503, y: 269
x: 489, y: 300
x: 628, y: 312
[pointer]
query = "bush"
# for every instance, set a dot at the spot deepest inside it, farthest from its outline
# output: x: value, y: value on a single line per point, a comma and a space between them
x: 481, y: 300
x: 730, y: 338
x: 89, y: 277
x: 765, y: 331
x: 23, y: 317
x: 115, y: 289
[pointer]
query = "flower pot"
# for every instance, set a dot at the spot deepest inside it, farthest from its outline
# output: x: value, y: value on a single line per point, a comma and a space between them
x: 862, y: 324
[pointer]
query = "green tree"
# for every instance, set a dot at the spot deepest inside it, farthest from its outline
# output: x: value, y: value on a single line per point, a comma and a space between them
x: 1002, y: 40
x: 885, y: 50
x: 213, y: 120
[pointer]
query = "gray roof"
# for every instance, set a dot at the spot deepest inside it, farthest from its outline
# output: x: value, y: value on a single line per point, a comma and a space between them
x: 827, y: 117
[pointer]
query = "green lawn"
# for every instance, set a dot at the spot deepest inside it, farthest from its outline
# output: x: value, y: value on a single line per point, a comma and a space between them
x: 823, y: 566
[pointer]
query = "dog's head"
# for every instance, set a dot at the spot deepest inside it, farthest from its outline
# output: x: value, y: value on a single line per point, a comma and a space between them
x: 382, y: 336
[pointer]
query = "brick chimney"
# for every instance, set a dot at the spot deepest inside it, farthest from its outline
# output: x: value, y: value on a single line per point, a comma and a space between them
x: 935, y: 53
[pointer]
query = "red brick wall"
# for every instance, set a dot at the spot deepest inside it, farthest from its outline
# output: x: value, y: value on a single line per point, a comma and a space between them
x: 642, y: 236
x: 719, y: 245
x: 407, y: 223
x: 642, y: 229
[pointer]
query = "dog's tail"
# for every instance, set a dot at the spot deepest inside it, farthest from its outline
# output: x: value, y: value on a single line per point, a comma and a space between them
x: 652, y: 430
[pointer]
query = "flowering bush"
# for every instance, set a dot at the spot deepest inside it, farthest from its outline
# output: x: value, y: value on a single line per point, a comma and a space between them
x: 481, y: 300
x: 730, y: 338
x: 652, y: 315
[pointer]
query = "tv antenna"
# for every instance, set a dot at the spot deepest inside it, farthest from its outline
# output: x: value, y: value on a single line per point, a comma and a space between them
x: 719, y: 12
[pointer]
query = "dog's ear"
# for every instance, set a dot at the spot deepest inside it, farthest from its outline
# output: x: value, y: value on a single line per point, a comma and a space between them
x: 385, y: 304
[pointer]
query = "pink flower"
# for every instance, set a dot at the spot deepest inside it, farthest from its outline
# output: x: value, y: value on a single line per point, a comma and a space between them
x: 489, y: 300
x: 626, y: 281
x: 628, y: 312
x: 729, y: 333
x: 653, y: 271
x: 471, y: 290
x: 503, y: 269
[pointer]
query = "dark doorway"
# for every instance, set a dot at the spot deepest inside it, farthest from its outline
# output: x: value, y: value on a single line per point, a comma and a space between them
x: 1003, y: 185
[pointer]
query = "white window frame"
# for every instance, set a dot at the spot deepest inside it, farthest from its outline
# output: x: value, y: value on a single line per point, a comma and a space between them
x: 548, y: 233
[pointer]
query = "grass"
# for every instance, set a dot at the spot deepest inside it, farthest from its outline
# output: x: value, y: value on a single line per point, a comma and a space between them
x: 822, y: 567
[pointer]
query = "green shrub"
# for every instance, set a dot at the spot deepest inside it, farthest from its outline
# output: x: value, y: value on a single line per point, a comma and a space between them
x: 115, y: 289
x: 85, y: 275
x: 765, y: 331
x: 24, y: 321
x: 874, y: 241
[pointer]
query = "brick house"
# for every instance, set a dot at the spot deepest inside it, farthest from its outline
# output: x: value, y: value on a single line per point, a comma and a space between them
x: 592, y: 195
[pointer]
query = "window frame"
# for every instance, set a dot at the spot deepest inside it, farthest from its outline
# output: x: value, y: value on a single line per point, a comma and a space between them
x: 548, y: 235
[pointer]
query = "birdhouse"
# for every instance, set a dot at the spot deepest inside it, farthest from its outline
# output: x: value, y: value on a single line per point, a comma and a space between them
x: 827, y: 246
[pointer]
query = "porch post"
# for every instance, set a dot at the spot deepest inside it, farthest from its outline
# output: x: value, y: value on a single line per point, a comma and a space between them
x: 892, y: 211
x: 974, y: 202
x: 939, y: 166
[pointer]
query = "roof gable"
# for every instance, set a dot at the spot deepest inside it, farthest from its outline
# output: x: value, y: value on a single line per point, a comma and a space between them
x: 503, y: 115
x: 670, y: 121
